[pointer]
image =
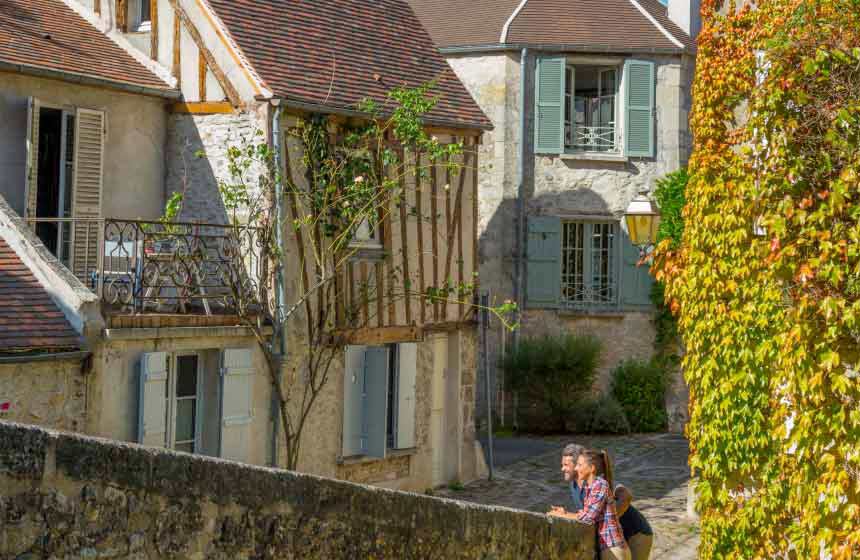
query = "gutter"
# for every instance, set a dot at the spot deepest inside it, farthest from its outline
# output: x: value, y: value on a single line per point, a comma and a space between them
x: 521, y: 195
x: 279, y: 339
x: 600, y: 49
x: 87, y: 80
x: 47, y: 357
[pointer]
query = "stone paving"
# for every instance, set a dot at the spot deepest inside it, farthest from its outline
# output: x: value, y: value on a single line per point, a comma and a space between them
x: 653, y: 466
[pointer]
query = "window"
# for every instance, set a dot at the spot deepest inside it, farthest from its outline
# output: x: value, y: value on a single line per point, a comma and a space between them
x: 586, y: 265
x: 589, y: 270
x: 366, y: 235
x: 585, y: 108
x: 182, y: 403
x: 145, y: 11
x: 189, y: 403
x: 379, y: 399
x: 589, y: 123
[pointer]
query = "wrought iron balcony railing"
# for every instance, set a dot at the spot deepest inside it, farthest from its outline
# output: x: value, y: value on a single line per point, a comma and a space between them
x: 160, y: 267
x: 595, y: 139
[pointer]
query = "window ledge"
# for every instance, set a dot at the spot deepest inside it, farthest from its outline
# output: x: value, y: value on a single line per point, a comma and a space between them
x: 595, y: 156
x: 390, y: 454
x: 144, y: 27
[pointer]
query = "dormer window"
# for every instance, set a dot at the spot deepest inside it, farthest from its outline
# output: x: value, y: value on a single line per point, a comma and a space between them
x: 145, y: 12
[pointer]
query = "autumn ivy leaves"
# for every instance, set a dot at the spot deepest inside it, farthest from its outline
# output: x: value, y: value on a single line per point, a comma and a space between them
x: 766, y: 284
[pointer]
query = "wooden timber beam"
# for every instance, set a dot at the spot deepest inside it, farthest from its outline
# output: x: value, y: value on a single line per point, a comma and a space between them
x: 227, y: 87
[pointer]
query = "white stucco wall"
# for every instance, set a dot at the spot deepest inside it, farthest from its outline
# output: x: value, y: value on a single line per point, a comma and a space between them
x: 133, y: 179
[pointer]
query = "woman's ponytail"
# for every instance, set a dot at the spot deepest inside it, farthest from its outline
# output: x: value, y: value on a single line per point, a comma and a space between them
x: 608, y: 471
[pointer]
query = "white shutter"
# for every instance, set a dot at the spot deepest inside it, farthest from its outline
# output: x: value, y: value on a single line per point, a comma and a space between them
x: 87, y: 188
x: 407, y: 364
x: 152, y: 405
x: 237, y: 381
x: 376, y: 407
x: 354, y: 437
x: 32, y: 185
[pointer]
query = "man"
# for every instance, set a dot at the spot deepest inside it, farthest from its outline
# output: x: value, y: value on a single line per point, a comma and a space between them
x: 637, y: 531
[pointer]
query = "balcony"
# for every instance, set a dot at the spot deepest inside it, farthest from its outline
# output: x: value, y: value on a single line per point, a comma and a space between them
x: 153, y: 267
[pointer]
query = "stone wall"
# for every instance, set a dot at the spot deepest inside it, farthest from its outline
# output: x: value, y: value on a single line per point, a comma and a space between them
x: 67, y: 496
x: 191, y: 136
x: 565, y: 186
x: 50, y: 393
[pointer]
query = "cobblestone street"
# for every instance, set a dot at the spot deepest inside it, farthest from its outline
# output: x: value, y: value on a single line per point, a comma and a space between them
x: 653, y: 466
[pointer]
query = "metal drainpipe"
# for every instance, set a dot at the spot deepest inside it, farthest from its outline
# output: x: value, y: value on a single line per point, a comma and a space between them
x: 279, y: 336
x: 521, y: 212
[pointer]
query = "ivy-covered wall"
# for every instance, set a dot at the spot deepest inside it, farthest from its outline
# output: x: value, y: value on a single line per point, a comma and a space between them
x: 765, y: 282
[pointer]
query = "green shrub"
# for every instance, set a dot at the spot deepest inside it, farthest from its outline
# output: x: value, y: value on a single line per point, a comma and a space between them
x: 598, y: 415
x: 551, y: 374
x: 640, y: 388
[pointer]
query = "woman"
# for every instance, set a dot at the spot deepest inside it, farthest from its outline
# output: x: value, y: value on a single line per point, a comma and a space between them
x: 594, y: 469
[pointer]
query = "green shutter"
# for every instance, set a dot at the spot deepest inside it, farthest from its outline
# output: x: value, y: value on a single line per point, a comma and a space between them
x: 354, y: 435
x: 639, y: 107
x: 636, y: 281
x: 543, y: 279
x: 549, y: 105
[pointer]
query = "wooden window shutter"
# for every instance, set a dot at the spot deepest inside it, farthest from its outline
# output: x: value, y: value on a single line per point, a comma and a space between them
x: 407, y: 366
x: 32, y: 186
x: 237, y: 403
x: 87, y: 188
x: 549, y: 105
x: 376, y: 411
x: 636, y: 281
x: 639, y: 107
x: 152, y: 400
x: 354, y: 437
x: 543, y: 278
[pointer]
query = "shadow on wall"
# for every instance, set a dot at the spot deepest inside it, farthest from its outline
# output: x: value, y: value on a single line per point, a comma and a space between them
x: 497, y: 259
x: 193, y: 174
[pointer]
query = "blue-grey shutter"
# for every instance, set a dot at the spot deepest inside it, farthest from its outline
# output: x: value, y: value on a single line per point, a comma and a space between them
x: 639, y: 108
x: 152, y: 405
x: 543, y: 278
x: 354, y: 436
x: 376, y: 411
x: 636, y: 281
x: 549, y: 105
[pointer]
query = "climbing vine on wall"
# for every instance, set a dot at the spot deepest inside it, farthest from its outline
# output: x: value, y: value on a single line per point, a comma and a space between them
x: 766, y: 283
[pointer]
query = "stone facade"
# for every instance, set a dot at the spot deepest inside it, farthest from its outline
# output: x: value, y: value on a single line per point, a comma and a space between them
x: 50, y: 393
x: 66, y: 496
x: 321, y: 448
x: 566, y: 186
x: 197, y: 157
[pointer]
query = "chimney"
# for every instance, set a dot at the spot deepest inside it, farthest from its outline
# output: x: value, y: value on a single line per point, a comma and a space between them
x: 686, y: 15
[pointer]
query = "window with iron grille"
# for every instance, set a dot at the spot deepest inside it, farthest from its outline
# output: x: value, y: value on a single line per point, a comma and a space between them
x: 589, y: 267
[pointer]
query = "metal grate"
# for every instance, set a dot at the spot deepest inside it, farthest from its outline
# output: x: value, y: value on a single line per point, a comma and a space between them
x: 589, y: 272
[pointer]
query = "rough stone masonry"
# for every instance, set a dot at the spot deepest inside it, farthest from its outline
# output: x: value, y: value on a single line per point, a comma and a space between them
x: 70, y: 496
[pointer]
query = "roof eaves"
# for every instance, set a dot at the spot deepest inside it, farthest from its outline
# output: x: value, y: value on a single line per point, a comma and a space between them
x: 549, y: 47
x: 346, y: 112
x: 87, y: 80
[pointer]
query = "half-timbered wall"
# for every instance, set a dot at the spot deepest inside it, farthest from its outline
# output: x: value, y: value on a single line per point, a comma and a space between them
x: 429, y: 237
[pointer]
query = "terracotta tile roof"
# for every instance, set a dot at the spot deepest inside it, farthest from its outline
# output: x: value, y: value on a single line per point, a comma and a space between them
x: 601, y: 25
x: 48, y: 35
x: 334, y: 53
x: 29, y: 319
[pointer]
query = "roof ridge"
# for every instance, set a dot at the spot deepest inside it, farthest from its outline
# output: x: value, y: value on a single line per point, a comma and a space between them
x: 503, y: 38
x: 656, y: 24
x: 153, y: 66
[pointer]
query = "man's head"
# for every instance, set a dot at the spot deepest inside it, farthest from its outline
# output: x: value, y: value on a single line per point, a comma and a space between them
x: 568, y: 461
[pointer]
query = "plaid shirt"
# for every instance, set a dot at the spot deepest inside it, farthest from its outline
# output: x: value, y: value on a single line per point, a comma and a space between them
x: 600, y: 510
